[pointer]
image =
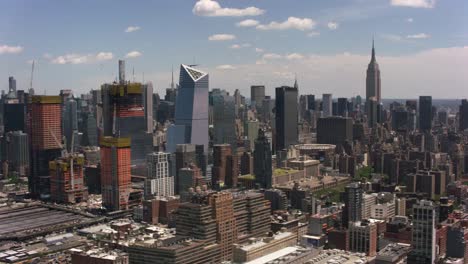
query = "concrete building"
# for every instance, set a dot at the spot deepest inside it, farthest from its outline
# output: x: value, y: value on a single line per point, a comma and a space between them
x: 211, y: 218
x: 259, y: 247
x: 225, y: 168
x: 393, y: 254
x: 174, y: 250
x: 363, y: 237
x: 424, y: 233
x: 368, y: 200
x: 158, y: 182
x: 98, y: 256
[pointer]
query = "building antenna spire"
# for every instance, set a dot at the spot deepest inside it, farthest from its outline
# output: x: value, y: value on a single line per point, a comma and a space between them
x: 172, y: 80
x: 373, y: 49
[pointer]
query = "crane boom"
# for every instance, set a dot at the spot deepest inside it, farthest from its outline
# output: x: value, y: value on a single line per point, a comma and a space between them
x: 32, y: 75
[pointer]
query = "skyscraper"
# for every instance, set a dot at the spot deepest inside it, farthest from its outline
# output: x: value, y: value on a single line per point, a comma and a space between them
x: 191, y: 114
x: 424, y: 233
x: 257, y: 94
x: 123, y: 113
x: 12, y: 84
x: 463, y: 112
x: 262, y: 161
x: 372, y: 106
x: 352, y: 211
x: 158, y: 182
x: 45, y: 133
x: 286, y: 117
x: 425, y: 113
x: 70, y: 120
x: 17, y: 152
x: 342, y: 107
x: 334, y: 130
x: 115, y: 172
x: 327, y: 105
x: 311, y: 102
x: 373, y: 79
x: 224, y: 118
x: 148, y: 105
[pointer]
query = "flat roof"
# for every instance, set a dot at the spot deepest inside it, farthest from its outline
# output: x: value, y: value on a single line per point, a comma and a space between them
x: 272, y: 256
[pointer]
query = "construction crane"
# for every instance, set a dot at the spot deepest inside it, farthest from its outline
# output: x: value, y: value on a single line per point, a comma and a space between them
x: 31, y: 90
x: 67, y: 154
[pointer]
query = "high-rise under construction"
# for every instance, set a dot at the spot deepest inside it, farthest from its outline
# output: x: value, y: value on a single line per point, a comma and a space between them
x: 123, y: 111
x: 45, y: 133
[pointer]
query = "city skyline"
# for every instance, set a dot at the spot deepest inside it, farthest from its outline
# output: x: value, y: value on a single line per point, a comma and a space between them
x: 419, y: 46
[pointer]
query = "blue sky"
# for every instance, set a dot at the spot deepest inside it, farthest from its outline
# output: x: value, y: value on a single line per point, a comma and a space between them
x: 421, y: 44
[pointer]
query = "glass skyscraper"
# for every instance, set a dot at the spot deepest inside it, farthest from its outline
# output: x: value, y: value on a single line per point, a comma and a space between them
x: 191, y: 113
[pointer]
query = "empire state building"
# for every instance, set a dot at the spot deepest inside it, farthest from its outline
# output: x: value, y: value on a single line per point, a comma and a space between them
x: 373, y: 79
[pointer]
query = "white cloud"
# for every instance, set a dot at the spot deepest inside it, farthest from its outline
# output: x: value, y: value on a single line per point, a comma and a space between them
x: 294, y: 56
x: 226, y: 67
x: 132, y: 29
x: 5, y: 49
x: 75, y: 58
x: 221, y: 37
x: 333, y: 25
x: 248, y: 23
x: 213, y: 9
x: 313, y: 34
x: 414, y: 3
x: 259, y: 50
x: 392, y: 37
x: 291, y: 23
x: 410, y: 20
x: 133, y: 54
x: 240, y: 46
x: 418, y: 36
x: 402, y: 76
x: 271, y: 56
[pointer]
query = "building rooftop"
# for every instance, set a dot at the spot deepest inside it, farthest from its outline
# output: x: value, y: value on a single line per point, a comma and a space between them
x: 254, y: 244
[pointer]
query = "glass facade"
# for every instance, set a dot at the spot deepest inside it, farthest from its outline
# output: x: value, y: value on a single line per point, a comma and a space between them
x: 191, y: 113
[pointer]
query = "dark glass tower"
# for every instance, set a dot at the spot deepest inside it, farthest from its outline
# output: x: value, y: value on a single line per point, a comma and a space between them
x: 191, y: 113
x: 353, y: 203
x: 463, y: 115
x: 262, y: 161
x: 425, y: 113
x: 286, y: 117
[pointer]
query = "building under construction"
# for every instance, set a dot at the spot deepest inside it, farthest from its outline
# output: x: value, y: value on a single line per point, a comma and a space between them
x: 67, y: 180
x: 45, y: 131
x: 124, y: 115
x: 115, y: 172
